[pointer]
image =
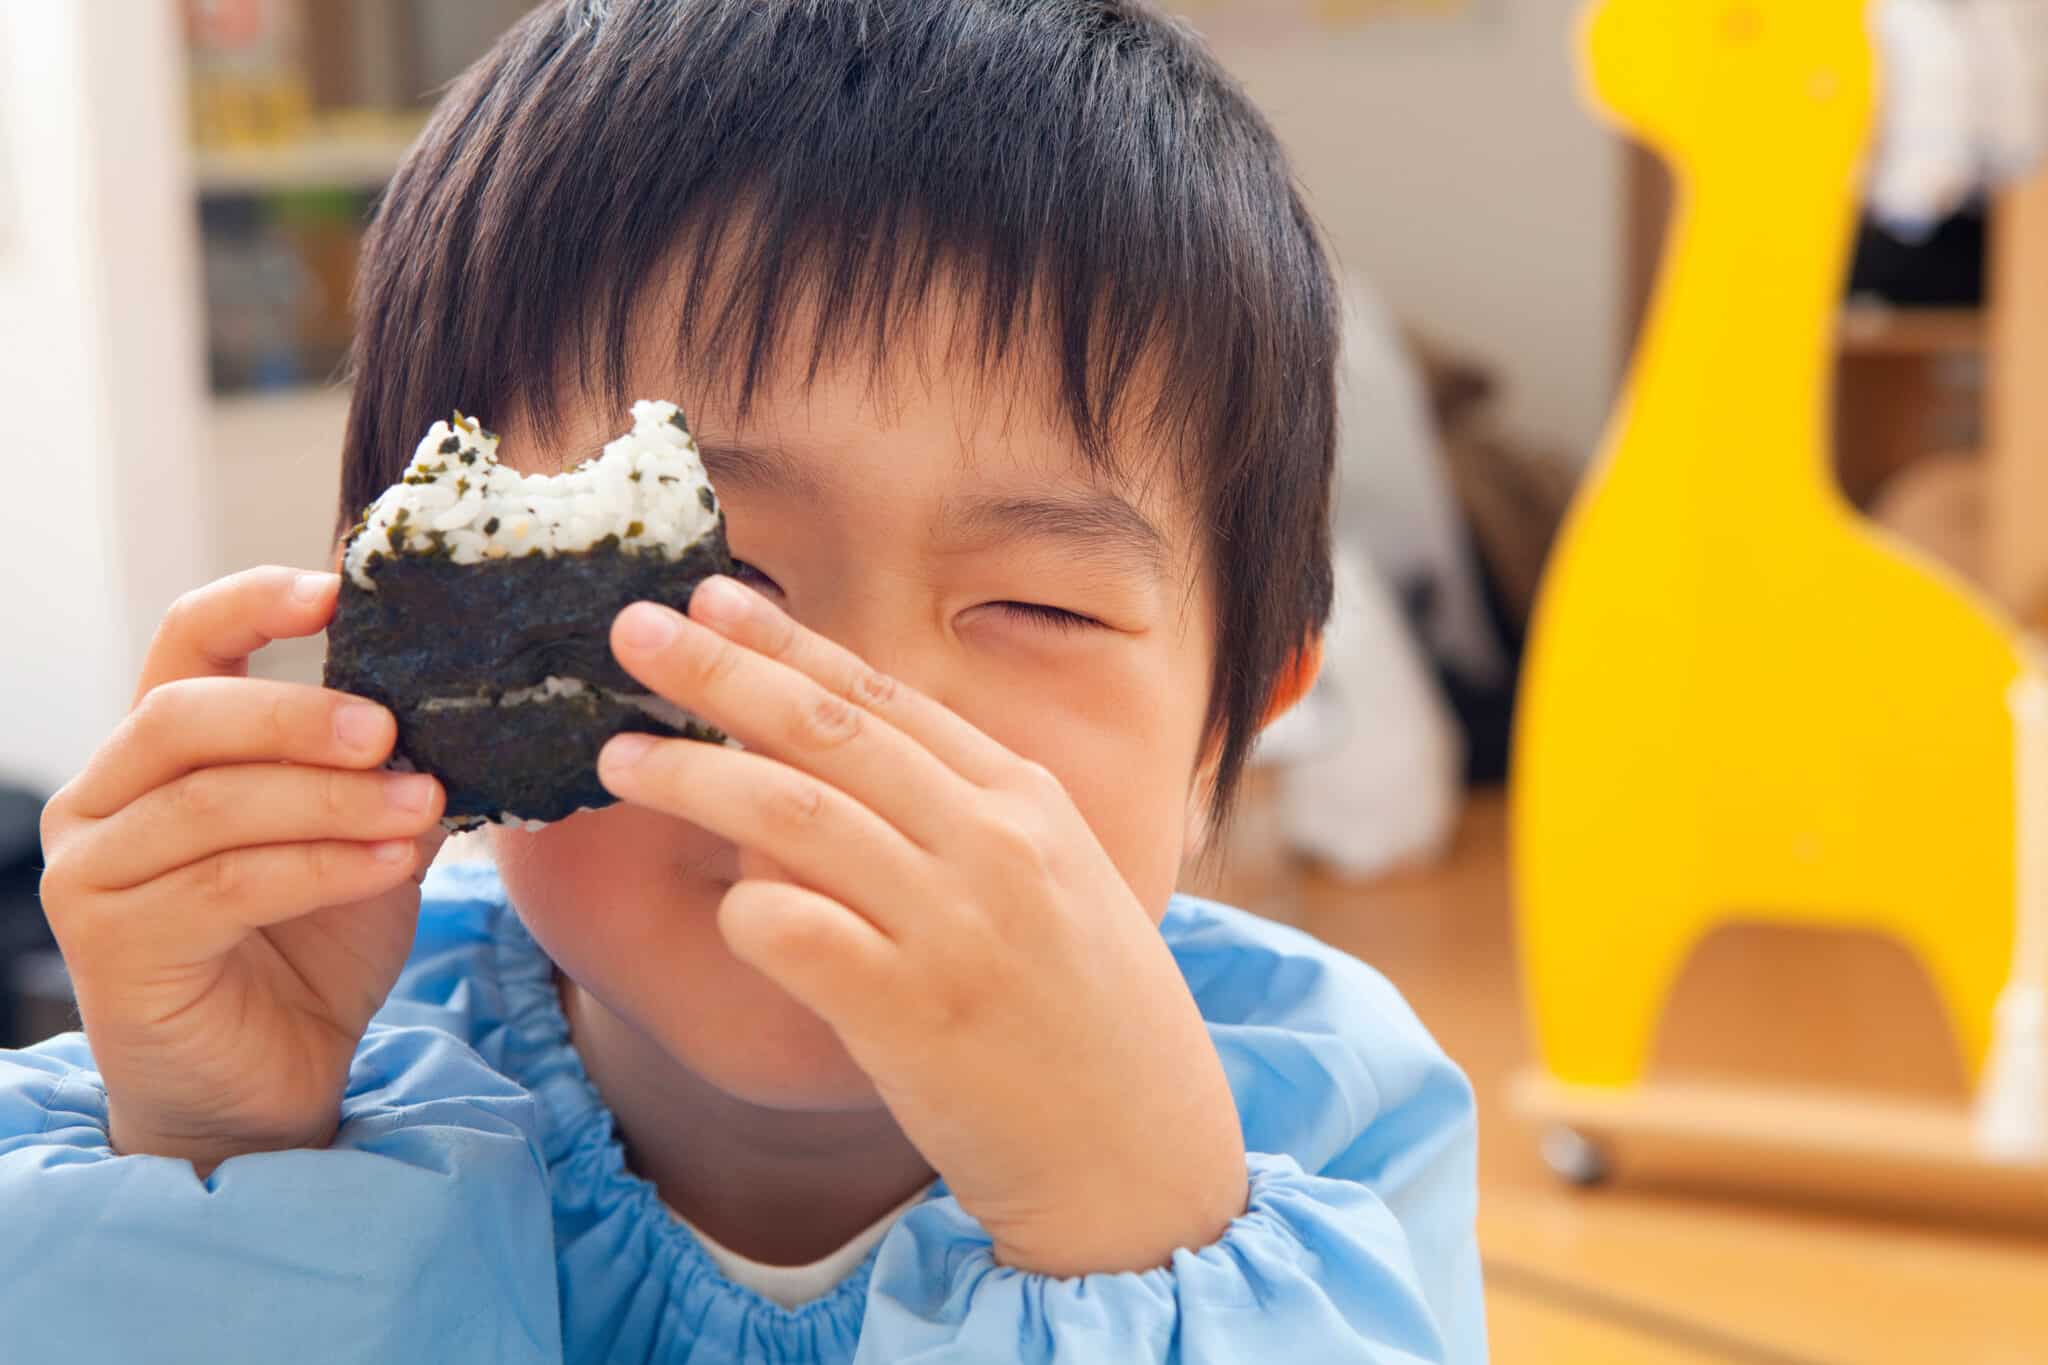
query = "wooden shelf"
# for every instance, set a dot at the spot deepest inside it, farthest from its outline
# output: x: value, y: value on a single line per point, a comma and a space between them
x: 346, y: 160
x: 1881, y: 330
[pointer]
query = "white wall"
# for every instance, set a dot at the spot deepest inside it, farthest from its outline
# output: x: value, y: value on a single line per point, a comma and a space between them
x: 1453, y: 164
x: 100, y: 384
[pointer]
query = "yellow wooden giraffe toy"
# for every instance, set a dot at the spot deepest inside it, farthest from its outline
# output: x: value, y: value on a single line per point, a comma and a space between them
x: 1741, y: 702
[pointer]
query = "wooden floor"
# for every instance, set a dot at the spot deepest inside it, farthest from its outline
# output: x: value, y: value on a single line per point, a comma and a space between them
x: 1647, y: 1275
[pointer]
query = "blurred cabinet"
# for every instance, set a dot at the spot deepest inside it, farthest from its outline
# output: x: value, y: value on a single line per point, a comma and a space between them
x: 2016, y: 498
x: 300, y: 111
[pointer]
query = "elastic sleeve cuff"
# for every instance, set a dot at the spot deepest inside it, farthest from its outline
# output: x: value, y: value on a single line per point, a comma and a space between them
x: 423, y: 1232
x: 402, y: 1081
x: 1314, y: 1266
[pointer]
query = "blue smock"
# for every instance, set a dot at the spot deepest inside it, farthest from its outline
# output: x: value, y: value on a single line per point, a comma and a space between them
x: 476, y: 1206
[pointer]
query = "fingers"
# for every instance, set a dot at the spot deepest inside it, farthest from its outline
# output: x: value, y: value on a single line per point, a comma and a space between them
x: 203, y: 909
x: 212, y: 631
x: 826, y: 839
x: 775, y: 709
x: 195, y: 723
x: 752, y: 621
x: 819, y: 951
x: 427, y: 846
x: 213, y: 810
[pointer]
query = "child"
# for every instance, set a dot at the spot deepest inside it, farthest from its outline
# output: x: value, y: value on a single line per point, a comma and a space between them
x: 1010, y: 350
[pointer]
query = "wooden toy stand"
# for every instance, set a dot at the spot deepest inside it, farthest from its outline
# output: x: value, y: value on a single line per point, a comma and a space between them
x: 1837, y: 1148
x: 1743, y: 702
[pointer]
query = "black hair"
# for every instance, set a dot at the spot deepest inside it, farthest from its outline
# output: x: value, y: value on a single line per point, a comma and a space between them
x: 1084, y: 169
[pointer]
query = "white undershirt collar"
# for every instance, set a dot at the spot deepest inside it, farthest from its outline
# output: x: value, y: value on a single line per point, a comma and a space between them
x: 792, y: 1286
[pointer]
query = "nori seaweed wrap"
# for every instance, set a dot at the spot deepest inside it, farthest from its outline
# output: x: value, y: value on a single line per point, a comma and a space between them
x: 476, y: 603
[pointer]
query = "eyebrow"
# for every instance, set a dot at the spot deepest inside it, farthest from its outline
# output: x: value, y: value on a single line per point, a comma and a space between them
x: 764, y: 467
x: 1089, y: 521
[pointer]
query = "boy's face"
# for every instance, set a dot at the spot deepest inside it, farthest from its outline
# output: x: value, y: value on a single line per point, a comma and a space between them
x: 937, y: 524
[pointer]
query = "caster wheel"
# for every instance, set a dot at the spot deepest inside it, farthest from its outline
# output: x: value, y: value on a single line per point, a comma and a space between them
x: 1575, y: 1158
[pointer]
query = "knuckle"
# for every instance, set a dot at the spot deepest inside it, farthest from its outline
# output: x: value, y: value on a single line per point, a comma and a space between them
x: 1016, y: 840
x: 873, y: 688
x: 222, y: 878
x: 84, y: 931
x: 828, y: 720
x: 337, y: 795
x: 56, y: 888
x: 200, y: 797
x: 716, y: 663
x: 953, y: 1009
x: 1038, y: 780
x: 184, y: 614
x: 319, y: 863
x: 280, y: 722
x: 169, y: 707
x: 54, y: 818
x: 795, y: 805
x: 156, y: 714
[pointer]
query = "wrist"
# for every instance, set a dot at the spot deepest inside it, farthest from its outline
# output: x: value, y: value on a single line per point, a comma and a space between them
x: 1132, y: 1226
x: 205, y: 1150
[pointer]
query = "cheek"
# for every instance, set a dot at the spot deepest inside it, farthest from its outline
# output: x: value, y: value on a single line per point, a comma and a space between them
x: 1125, y: 743
x: 1144, y: 838
x: 609, y: 877
x: 625, y: 902
x: 610, y: 894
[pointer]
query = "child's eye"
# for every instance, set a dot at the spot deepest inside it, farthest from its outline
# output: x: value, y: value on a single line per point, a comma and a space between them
x: 754, y: 578
x: 1039, y: 614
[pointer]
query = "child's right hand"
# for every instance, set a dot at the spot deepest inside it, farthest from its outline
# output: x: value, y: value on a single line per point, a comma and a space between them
x: 233, y: 883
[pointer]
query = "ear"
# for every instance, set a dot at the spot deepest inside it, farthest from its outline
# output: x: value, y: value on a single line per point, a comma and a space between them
x: 1295, y: 680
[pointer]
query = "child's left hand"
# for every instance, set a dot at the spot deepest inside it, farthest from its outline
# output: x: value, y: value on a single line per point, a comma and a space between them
x: 950, y: 914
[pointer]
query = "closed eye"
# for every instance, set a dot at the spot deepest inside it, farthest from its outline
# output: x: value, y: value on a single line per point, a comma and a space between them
x: 1037, y: 613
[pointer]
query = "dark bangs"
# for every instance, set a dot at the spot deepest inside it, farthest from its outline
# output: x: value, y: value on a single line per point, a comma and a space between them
x: 1080, y: 170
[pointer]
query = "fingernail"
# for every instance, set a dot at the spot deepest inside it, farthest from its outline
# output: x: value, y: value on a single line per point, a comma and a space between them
x: 623, y: 751
x: 359, y: 724
x: 410, y: 792
x: 719, y: 601
x: 392, y: 850
x: 647, y: 626
x: 311, y: 587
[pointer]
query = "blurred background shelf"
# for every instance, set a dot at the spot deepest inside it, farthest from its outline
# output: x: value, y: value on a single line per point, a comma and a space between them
x: 1871, y: 328
x: 300, y: 112
x: 361, y: 160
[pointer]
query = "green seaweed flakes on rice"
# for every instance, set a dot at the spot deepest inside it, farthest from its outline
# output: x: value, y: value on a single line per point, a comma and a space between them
x: 477, y: 601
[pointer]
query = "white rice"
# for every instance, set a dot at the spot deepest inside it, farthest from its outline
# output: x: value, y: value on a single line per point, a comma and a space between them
x: 648, y: 488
